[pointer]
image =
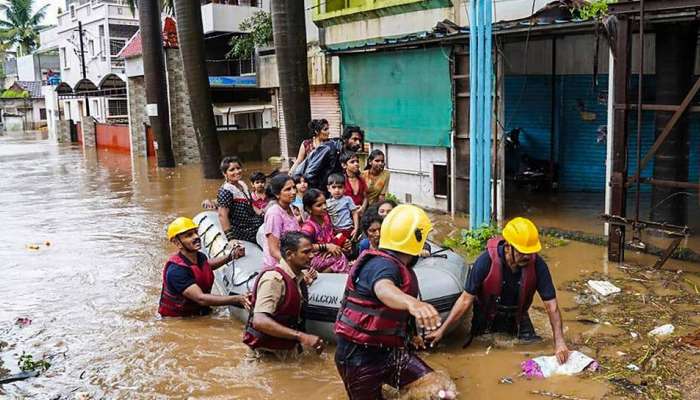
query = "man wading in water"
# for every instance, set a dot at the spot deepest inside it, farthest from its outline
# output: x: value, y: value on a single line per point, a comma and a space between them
x: 276, y: 324
x: 188, y: 275
x: 502, y: 284
x: 375, y: 324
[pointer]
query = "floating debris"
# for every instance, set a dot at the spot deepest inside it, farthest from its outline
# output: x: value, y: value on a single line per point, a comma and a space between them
x: 663, y: 330
x: 603, y: 288
x: 506, y: 380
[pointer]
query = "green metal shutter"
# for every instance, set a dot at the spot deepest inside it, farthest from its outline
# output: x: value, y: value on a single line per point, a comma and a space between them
x: 402, y: 97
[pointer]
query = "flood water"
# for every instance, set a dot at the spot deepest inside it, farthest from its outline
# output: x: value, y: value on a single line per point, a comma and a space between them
x: 92, y: 288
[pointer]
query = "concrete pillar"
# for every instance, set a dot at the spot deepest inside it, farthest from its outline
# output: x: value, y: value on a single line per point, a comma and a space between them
x: 62, y: 131
x: 88, y: 126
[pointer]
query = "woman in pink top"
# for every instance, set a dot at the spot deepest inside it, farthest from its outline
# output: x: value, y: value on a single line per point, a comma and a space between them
x: 329, y: 255
x: 279, y: 217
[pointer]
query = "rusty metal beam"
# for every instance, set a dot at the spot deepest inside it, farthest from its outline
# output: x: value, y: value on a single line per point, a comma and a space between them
x: 665, y: 183
x: 657, y: 107
x: 668, y: 252
x: 632, y: 7
x: 668, y: 229
x: 671, y: 124
x: 618, y: 196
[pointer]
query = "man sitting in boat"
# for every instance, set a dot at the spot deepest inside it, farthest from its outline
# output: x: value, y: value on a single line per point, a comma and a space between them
x: 375, y: 324
x: 502, y: 284
x: 188, y: 275
x: 276, y: 325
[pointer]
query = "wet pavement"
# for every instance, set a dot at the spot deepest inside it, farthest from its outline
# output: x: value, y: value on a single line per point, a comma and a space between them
x: 92, y: 293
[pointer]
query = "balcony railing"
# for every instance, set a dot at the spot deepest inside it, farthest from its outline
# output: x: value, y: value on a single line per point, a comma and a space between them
x: 230, y: 67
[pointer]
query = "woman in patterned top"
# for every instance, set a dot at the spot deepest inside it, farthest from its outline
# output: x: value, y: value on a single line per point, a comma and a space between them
x: 376, y: 177
x: 236, y: 213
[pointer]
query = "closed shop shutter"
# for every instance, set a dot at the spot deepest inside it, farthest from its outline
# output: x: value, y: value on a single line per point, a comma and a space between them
x: 325, y: 104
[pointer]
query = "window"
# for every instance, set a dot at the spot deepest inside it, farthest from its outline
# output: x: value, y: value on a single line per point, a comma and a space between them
x: 115, y: 46
x: 64, y: 57
x: 440, y: 180
x: 91, y: 47
x: 102, y: 42
x: 72, y: 11
x: 117, y: 107
x: 95, y: 108
x: 42, y: 114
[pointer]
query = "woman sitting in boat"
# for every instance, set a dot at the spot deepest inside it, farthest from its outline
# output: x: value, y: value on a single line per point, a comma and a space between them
x: 279, y: 218
x: 329, y: 253
x: 236, y: 213
x: 371, y: 227
x: 320, y: 132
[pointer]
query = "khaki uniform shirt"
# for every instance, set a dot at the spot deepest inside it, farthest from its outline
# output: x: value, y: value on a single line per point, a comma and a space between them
x: 271, y: 289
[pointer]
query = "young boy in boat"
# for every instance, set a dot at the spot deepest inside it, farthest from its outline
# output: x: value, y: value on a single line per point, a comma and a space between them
x: 501, y: 286
x: 275, y: 325
x: 188, y: 276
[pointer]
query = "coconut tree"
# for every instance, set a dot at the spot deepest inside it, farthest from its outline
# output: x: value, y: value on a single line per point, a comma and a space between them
x: 190, y: 35
x: 289, y: 31
x: 154, y: 75
x: 20, y: 27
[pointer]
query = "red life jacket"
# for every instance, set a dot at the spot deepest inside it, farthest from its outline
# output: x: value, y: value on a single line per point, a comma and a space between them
x: 289, y: 314
x: 366, y: 320
x: 489, y: 294
x: 177, y: 305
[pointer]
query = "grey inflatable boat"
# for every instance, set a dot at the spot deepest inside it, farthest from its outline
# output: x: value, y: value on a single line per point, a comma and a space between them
x: 441, y: 278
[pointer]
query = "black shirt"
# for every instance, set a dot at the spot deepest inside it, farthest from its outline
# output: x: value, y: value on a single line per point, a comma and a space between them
x: 509, y: 294
x: 179, y: 278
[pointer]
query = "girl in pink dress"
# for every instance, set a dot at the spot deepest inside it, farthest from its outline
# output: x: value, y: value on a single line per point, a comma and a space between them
x: 329, y: 255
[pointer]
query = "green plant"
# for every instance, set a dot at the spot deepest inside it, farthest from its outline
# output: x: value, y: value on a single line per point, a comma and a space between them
x: 27, y: 363
x: 259, y: 26
x: 471, y: 241
x: 15, y: 94
x: 594, y: 9
x: 392, y: 197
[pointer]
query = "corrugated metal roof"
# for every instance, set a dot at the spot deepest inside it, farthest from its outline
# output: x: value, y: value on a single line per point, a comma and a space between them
x: 33, y: 87
x: 134, y: 47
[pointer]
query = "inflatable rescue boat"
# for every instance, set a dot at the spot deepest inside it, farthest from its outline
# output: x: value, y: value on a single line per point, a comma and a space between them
x: 441, y: 278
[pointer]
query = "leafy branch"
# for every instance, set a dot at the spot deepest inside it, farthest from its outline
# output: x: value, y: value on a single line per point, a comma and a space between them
x: 259, y: 26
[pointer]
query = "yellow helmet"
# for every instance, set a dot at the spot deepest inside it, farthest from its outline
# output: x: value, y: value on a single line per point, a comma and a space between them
x: 405, y: 229
x: 180, y: 225
x: 522, y: 234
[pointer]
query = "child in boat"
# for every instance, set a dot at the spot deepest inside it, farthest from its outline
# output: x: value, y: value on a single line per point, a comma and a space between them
x: 342, y: 209
x: 258, y: 180
x: 329, y: 254
x: 355, y: 186
x: 301, y: 184
x: 371, y: 226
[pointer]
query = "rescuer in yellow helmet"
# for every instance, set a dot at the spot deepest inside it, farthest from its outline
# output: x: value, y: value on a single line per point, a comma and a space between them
x: 374, y: 323
x: 188, y: 275
x: 501, y: 285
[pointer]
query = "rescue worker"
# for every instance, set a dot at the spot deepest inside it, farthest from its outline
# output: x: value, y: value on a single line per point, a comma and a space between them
x: 375, y: 323
x: 276, y: 324
x: 501, y: 286
x: 188, y: 275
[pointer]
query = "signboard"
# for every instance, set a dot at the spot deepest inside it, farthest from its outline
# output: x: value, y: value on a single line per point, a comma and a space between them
x: 233, y: 81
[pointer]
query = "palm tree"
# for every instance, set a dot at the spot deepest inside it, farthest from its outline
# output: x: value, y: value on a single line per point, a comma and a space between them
x: 20, y: 27
x: 190, y: 35
x: 155, y: 77
x: 289, y: 31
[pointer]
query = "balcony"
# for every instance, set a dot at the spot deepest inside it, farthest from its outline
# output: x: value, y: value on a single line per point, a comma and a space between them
x: 230, y: 67
x: 219, y: 17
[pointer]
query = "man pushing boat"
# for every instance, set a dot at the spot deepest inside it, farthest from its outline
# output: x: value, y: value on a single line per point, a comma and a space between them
x: 501, y: 286
x: 188, y: 275
x: 376, y: 323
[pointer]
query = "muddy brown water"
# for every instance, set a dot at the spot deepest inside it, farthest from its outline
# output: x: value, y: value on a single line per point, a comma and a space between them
x: 92, y: 293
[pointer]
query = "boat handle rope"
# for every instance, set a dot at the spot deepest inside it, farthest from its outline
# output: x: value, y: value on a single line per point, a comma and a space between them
x: 253, y: 275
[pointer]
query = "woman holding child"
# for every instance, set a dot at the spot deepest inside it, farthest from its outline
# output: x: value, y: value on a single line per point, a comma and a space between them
x: 237, y: 216
x: 329, y: 254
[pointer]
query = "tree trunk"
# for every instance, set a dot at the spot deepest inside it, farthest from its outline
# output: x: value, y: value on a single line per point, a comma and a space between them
x: 191, y: 39
x: 675, y: 63
x: 289, y: 32
x: 154, y: 76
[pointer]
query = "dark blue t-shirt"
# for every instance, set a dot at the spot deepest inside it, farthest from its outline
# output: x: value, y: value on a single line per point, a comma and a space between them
x: 509, y: 295
x: 362, y: 245
x: 179, y: 278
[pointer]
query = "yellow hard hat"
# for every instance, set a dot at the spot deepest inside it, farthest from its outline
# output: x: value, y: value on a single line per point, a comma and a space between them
x: 522, y: 234
x: 180, y: 225
x: 405, y: 229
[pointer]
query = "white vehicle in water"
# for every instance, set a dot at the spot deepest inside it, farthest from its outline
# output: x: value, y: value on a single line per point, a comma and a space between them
x: 441, y: 278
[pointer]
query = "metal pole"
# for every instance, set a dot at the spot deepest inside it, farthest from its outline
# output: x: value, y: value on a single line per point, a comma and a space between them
x: 82, y: 62
x: 640, y: 78
x: 609, y: 137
